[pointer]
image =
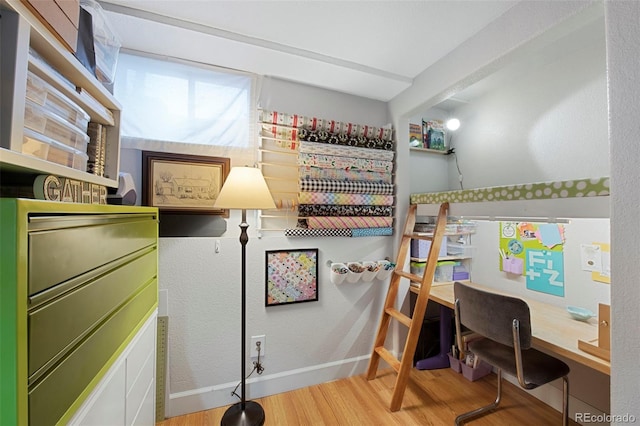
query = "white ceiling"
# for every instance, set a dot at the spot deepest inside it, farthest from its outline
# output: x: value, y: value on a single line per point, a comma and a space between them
x: 372, y: 49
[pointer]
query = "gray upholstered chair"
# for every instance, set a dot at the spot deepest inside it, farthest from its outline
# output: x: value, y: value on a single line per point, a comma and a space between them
x: 505, y: 324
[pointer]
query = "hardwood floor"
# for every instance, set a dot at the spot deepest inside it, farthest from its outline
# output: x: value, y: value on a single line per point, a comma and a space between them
x: 432, y: 398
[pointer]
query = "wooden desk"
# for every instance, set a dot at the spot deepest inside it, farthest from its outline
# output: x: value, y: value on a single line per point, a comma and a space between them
x: 552, y: 328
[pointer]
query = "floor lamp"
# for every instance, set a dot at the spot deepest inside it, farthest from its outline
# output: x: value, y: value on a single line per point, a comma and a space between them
x: 244, y: 188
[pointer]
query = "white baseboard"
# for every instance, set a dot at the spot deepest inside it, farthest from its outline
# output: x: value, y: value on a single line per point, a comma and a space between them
x: 220, y: 395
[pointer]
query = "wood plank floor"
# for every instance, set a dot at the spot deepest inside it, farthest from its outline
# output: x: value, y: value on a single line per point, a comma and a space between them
x: 432, y: 398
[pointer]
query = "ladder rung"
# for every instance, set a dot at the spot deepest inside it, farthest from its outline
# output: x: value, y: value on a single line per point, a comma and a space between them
x: 399, y: 316
x: 409, y: 275
x: 388, y: 357
x: 420, y: 236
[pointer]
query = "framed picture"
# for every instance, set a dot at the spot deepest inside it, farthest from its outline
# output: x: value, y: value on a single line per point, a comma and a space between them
x: 291, y: 276
x: 180, y: 183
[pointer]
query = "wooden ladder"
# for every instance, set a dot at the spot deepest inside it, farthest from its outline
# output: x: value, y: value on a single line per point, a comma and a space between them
x: 403, y: 366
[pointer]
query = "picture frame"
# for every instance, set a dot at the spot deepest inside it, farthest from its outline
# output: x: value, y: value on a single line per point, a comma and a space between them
x: 291, y: 276
x: 183, y: 183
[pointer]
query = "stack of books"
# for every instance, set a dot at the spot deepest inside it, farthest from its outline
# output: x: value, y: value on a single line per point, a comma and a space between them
x: 96, y: 149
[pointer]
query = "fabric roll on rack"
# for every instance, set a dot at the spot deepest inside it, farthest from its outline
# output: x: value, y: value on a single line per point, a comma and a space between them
x: 351, y: 187
x: 344, y: 199
x: 325, y: 222
x: 305, y: 210
x: 345, y: 151
x: 335, y: 162
x: 312, y: 172
x: 345, y: 232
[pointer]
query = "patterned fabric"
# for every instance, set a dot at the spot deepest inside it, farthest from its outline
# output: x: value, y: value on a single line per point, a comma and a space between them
x: 344, y: 139
x: 334, y: 162
x: 312, y: 185
x: 371, y: 232
x: 313, y: 123
x: 310, y: 172
x: 530, y: 191
x: 346, y: 151
x: 305, y: 210
x: 340, y: 198
x: 325, y: 222
x: 302, y: 232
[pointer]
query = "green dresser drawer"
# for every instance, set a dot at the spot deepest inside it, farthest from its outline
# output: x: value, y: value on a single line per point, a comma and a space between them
x: 55, y: 326
x: 56, y: 255
x: 51, y: 396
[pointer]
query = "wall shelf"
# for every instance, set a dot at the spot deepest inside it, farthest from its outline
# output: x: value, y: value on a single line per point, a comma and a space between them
x: 428, y: 151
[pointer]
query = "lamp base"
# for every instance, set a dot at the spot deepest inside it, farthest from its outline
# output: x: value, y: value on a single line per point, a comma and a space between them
x: 253, y: 415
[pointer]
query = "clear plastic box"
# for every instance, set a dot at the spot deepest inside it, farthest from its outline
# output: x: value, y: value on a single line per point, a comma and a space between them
x: 462, y: 250
x: 42, y: 93
x: 444, y: 272
x: 106, y: 42
x: 40, y: 146
x: 43, y: 121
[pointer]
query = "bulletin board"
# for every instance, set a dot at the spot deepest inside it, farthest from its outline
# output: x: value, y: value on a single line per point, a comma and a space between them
x: 534, y: 250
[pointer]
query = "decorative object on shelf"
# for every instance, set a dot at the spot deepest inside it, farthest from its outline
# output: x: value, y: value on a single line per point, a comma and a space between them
x: 415, y: 136
x: 291, y: 276
x: 244, y: 188
x: 433, y: 134
x: 580, y: 314
x: 180, y: 183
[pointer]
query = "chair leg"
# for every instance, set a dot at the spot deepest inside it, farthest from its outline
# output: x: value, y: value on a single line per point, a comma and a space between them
x: 565, y: 401
x: 482, y: 410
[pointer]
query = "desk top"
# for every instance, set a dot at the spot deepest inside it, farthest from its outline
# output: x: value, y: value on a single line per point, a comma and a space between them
x: 552, y: 328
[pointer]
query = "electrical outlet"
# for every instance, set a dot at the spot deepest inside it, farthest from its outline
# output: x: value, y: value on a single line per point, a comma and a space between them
x: 262, y: 340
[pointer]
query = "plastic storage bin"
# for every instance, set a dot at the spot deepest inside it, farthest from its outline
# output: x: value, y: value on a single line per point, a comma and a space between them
x: 105, y: 41
x: 40, y: 146
x: 420, y: 248
x: 42, y: 121
x: 444, y: 272
x: 456, y: 249
x: 45, y: 95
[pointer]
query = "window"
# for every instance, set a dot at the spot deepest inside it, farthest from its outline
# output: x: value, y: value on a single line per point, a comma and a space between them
x: 171, y: 105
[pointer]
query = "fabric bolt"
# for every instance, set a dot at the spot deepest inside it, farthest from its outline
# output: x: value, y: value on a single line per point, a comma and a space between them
x: 311, y: 172
x: 303, y: 232
x: 371, y: 232
x: 345, y: 151
x: 342, y: 198
x: 324, y: 222
x: 335, y: 162
x: 305, y: 210
x: 314, y: 185
x: 345, y: 139
x: 312, y: 123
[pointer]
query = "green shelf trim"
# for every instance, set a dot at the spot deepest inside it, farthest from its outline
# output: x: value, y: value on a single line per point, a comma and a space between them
x: 592, y: 187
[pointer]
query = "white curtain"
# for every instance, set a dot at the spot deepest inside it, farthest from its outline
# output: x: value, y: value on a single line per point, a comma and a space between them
x: 177, y: 106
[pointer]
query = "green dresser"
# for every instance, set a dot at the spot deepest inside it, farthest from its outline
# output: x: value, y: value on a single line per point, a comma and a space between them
x: 77, y: 283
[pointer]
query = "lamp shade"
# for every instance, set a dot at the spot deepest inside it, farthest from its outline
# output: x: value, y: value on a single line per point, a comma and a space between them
x: 245, y: 188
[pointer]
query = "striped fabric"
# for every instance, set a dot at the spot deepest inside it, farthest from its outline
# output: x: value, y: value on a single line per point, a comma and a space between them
x: 305, y: 210
x: 311, y: 172
x: 317, y: 185
x: 324, y: 222
x: 345, y: 151
x: 335, y: 162
x: 344, y: 199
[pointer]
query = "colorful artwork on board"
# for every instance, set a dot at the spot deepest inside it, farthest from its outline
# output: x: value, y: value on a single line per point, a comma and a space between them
x: 291, y: 276
x: 534, y: 250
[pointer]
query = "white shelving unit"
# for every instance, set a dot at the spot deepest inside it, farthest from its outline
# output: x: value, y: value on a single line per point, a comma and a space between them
x: 20, y: 30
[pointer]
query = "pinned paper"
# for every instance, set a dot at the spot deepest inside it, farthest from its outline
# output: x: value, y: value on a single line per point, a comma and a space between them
x: 604, y: 275
x: 549, y: 235
x: 591, y: 257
